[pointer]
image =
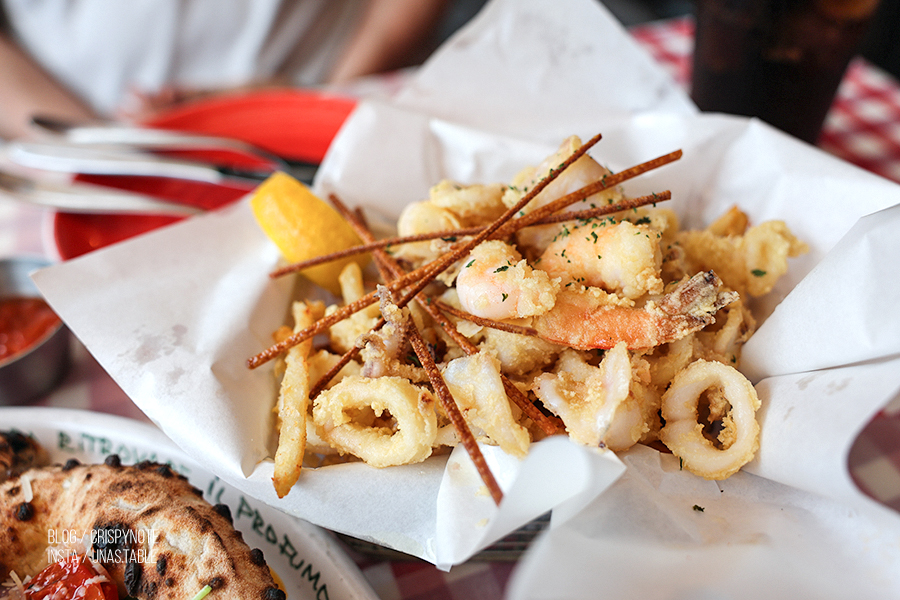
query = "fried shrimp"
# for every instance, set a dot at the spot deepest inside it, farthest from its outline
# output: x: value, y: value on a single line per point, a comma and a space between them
x: 496, y: 283
x: 385, y: 421
x: 586, y: 320
x: 617, y: 257
x: 582, y: 172
x: 497, y: 297
x: 731, y: 403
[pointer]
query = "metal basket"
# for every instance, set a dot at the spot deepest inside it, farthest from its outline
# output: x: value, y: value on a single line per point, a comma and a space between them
x: 509, y: 548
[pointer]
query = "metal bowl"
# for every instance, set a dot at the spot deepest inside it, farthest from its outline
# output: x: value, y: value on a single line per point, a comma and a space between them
x: 39, y: 368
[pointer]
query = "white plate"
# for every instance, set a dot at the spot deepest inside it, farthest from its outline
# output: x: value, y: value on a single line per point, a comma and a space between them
x: 311, y: 564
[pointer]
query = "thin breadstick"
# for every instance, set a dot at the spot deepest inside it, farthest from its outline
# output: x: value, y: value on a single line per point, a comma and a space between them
x: 607, y: 209
x: 389, y: 269
x: 456, y: 418
x: 466, y: 316
x: 422, y: 276
x: 330, y: 374
x: 606, y: 182
x: 452, y: 235
x: 549, y: 425
x: 370, y: 246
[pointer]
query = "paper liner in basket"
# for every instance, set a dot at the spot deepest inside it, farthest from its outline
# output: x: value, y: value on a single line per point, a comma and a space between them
x: 174, y: 315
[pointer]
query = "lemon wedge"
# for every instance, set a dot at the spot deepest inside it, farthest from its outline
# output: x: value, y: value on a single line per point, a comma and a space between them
x: 304, y: 226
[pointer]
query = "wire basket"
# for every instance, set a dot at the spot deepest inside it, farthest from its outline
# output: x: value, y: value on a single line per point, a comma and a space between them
x: 509, y: 548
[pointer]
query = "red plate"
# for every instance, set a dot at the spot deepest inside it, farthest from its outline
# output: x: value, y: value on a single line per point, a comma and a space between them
x: 296, y: 125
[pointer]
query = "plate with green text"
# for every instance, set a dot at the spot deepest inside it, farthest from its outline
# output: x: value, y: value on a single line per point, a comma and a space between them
x: 307, y: 559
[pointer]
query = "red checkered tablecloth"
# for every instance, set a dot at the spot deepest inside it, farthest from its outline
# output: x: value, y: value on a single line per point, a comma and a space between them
x: 863, y: 127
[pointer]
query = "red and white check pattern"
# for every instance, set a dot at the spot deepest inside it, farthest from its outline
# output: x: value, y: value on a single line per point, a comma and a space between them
x: 671, y: 43
x: 863, y: 126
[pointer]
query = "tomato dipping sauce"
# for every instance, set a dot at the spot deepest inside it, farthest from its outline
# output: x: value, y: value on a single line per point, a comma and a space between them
x: 24, y: 322
x: 71, y: 578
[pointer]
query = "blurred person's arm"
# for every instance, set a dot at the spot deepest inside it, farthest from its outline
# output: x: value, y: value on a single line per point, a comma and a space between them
x: 393, y: 34
x: 26, y: 89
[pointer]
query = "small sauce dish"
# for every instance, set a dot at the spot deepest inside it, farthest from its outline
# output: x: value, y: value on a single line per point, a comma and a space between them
x: 34, y: 342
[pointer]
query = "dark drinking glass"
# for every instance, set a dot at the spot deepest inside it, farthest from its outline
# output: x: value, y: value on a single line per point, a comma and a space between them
x: 779, y: 60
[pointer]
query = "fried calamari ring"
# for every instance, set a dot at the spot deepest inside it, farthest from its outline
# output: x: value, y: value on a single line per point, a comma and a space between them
x: 119, y: 508
x: 385, y: 421
x: 731, y: 400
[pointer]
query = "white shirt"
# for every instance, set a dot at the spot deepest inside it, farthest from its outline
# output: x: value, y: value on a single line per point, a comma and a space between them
x: 102, y: 49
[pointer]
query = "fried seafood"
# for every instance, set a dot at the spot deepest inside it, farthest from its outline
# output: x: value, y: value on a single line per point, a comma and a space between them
x: 620, y: 257
x: 385, y: 421
x: 529, y: 318
x: 478, y: 389
x: 587, y: 398
x: 729, y: 400
x: 518, y: 354
x: 750, y: 261
x: 497, y: 283
x: 587, y: 319
x: 450, y: 206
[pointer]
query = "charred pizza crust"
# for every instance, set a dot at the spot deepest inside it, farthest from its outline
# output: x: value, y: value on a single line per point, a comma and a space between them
x: 186, y: 542
x: 18, y: 453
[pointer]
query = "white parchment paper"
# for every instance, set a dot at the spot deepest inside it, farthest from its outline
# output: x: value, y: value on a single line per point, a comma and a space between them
x: 173, y: 316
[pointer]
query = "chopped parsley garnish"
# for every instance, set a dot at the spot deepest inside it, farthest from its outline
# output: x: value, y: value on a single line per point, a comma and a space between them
x: 758, y: 273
